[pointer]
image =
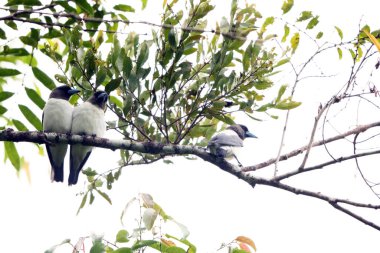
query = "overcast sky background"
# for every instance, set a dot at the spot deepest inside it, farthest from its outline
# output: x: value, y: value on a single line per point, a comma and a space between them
x: 215, y: 206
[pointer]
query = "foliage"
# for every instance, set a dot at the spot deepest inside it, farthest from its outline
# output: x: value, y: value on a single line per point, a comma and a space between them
x: 149, y: 232
x: 173, y: 87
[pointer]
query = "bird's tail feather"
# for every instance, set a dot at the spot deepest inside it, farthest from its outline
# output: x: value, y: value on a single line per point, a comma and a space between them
x: 73, y: 178
x: 57, y: 174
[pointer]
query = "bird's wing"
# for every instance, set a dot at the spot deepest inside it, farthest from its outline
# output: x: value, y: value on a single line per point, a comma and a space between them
x: 226, y: 139
x: 75, y: 167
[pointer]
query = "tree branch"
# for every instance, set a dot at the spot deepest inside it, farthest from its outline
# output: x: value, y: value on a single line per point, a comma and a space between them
x: 170, y: 149
x: 142, y: 147
x: 300, y: 150
x: 322, y: 165
x: 14, y: 17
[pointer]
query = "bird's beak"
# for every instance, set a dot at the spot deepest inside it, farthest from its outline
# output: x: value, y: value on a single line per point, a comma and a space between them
x: 73, y: 91
x: 250, y: 135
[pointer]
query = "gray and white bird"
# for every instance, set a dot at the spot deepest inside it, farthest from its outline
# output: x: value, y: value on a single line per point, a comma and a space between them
x: 88, y: 119
x: 56, y: 117
x: 225, y: 143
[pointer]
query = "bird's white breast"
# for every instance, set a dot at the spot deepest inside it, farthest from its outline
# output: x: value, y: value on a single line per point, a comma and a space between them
x: 57, y: 116
x: 88, y: 119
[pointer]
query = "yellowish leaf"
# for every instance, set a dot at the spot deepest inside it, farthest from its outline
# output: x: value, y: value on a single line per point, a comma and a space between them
x: 373, y: 39
x: 41, y: 151
x: 168, y: 242
x: 25, y: 167
x: 164, y: 3
x: 246, y: 240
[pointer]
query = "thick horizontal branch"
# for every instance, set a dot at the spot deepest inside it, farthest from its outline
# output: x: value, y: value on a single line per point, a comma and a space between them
x: 300, y: 150
x: 170, y: 149
x: 142, y: 147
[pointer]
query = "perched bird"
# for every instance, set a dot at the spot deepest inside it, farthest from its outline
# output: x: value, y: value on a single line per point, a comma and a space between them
x: 56, y: 117
x: 88, y: 119
x: 225, y: 143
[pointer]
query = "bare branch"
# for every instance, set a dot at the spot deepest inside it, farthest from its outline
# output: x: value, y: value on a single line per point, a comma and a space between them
x: 322, y: 165
x: 300, y: 150
x: 354, y: 215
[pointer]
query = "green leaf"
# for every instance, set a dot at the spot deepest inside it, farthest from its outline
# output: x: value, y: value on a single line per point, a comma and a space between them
x: 282, y: 62
x: 97, y: 246
x: 15, y: 51
x: 31, y: 117
x: 24, y: 2
x: 124, y: 7
x: 83, y: 202
x: 105, y: 196
x: 175, y: 249
x: 360, y: 53
x: 19, y: 125
x: 319, y: 35
x: 113, y: 85
x: 286, y: 33
x: 287, y: 104
x: 143, y: 55
x: 11, y: 24
x: 305, y: 15
x: 340, y: 53
x: 8, y: 72
x: 89, y: 63
x: 123, y: 250
x: 61, y: 79
x: 122, y: 236
x: 127, y: 66
x: 172, y: 39
x: 35, y: 97
x: 225, y: 119
x: 142, y: 243
x: 281, y: 92
x: 89, y: 172
x: 4, y: 95
x: 294, y: 41
x: 236, y: 250
x: 12, y: 154
x: 268, y: 21
x: 247, y: 57
x: 29, y: 41
x: 144, y: 3
x: 83, y: 4
x: 2, y: 34
x: 286, y: 6
x: 116, y: 101
x: 313, y: 22
x: 340, y: 33
x: 101, y: 75
x: 43, y: 78
x: 3, y: 110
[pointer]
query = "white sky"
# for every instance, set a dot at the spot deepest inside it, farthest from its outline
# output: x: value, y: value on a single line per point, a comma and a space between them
x: 215, y: 206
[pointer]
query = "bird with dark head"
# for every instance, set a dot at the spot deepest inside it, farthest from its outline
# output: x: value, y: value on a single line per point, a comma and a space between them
x: 224, y: 144
x: 88, y: 119
x: 99, y: 98
x: 56, y: 117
